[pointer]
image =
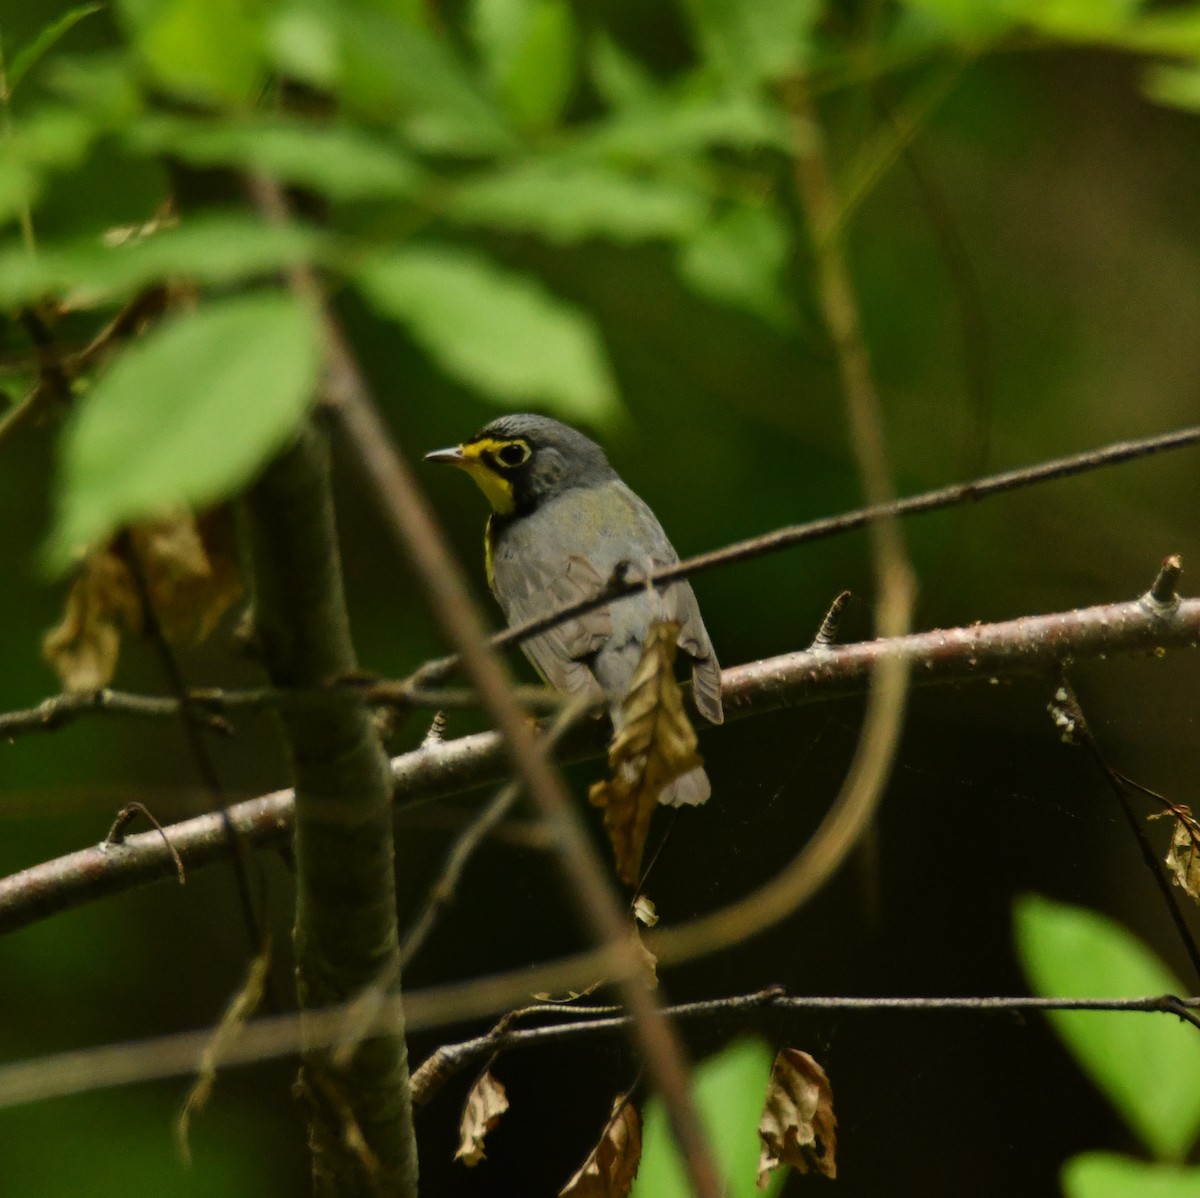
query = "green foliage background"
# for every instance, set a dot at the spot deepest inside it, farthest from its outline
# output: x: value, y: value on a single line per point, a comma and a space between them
x: 588, y: 208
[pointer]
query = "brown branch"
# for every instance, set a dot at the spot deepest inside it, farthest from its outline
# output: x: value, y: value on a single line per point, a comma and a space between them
x: 1028, y: 645
x: 42, y: 1078
x: 413, y: 527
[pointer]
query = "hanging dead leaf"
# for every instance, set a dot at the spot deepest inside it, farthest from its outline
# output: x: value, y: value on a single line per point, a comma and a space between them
x: 190, y: 570
x: 1183, y: 857
x: 798, y: 1126
x: 486, y: 1102
x: 612, y: 1165
x: 101, y: 603
x: 190, y: 565
x: 644, y: 911
x: 655, y: 745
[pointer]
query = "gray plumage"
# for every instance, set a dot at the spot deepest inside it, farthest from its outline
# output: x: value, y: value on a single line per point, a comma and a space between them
x: 574, y: 526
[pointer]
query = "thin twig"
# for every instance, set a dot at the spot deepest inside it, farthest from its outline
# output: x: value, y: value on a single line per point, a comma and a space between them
x: 442, y: 892
x: 1029, y: 645
x: 42, y: 1078
x: 1078, y: 731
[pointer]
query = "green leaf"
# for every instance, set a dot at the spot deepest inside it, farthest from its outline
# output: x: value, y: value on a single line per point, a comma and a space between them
x: 528, y: 51
x: 728, y: 1089
x: 338, y: 161
x: 27, y: 58
x: 1148, y: 1065
x: 209, y: 50
x: 971, y: 20
x: 568, y: 202
x: 1105, y: 1175
x: 749, y: 42
x: 619, y: 78
x: 739, y: 259
x: 186, y: 415
x: 684, y: 123
x: 206, y: 250
x: 51, y: 138
x: 393, y: 71
x: 1178, y: 87
x: 495, y: 330
x: 1075, y: 18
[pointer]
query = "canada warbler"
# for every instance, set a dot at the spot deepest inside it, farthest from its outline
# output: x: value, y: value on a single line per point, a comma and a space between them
x: 563, y: 525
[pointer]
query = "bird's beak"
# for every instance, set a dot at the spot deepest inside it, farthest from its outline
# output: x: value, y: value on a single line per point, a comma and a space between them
x: 453, y: 456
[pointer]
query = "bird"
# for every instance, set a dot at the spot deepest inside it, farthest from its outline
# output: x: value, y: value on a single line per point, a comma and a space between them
x: 563, y: 526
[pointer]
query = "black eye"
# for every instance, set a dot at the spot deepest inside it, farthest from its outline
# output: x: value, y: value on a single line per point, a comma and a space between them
x: 516, y: 453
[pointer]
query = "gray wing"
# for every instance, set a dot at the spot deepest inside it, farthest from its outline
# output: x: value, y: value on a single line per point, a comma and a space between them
x: 531, y: 587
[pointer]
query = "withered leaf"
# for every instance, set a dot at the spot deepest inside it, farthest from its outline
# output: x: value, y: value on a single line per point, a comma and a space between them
x: 101, y: 603
x: 612, y: 1165
x: 655, y: 745
x: 190, y: 565
x: 190, y: 570
x: 1183, y: 857
x: 644, y: 911
x: 798, y: 1126
x: 486, y: 1102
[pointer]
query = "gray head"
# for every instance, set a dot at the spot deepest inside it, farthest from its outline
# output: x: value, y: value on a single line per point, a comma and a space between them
x: 520, y: 461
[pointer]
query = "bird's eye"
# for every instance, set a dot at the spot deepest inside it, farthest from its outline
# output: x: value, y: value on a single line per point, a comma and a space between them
x: 515, y: 453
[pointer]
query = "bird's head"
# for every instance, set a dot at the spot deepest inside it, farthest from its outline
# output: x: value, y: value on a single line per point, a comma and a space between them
x: 519, y: 461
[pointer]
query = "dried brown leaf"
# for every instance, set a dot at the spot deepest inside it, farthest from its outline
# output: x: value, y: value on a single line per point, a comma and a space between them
x: 656, y: 745
x: 241, y: 1006
x: 798, y: 1126
x: 102, y: 603
x: 486, y: 1102
x: 190, y: 565
x: 649, y: 962
x: 612, y: 1165
x: 1183, y: 857
x: 191, y: 573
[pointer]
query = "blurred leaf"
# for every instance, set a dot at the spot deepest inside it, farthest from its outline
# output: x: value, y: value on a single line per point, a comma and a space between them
x: 304, y: 45
x: 212, y: 249
x: 486, y: 1102
x: 970, y: 19
x: 394, y: 71
x: 798, y: 1126
x: 1176, y: 86
x: 101, y: 85
x: 1168, y: 32
x: 207, y: 49
x: 572, y: 201
x: 339, y: 161
x: 619, y: 78
x: 679, y: 125
x: 528, y: 52
x: 185, y: 416
x: 1106, y: 1175
x: 749, y: 42
x: 1075, y: 18
x: 728, y: 1090
x: 739, y: 259
x: 27, y: 58
x: 1148, y: 1065
x: 51, y: 138
x: 495, y: 330
x: 612, y: 1165
x: 654, y: 745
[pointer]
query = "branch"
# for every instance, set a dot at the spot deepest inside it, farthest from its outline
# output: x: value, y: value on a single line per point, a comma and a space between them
x: 1029, y: 645
x: 345, y: 932
x: 43, y: 1078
